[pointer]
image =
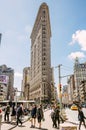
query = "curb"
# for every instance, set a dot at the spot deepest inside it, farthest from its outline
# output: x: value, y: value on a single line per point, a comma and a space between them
x: 72, y: 122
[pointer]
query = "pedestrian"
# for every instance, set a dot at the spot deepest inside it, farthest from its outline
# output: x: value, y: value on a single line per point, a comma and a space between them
x: 19, y: 114
x: 13, y: 113
x: 52, y: 114
x: 40, y: 115
x: 57, y: 116
x: 81, y: 118
x: 7, y: 112
x: 33, y: 116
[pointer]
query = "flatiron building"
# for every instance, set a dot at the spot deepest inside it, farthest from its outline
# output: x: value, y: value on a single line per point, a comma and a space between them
x: 41, y: 72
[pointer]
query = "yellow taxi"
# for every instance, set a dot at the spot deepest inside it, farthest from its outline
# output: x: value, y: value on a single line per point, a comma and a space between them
x: 74, y: 107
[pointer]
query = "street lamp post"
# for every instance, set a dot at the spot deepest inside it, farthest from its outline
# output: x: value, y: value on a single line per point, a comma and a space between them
x: 60, y: 94
x: 16, y: 98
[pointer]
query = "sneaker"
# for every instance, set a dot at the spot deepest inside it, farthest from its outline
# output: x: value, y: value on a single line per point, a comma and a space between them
x: 32, y: 126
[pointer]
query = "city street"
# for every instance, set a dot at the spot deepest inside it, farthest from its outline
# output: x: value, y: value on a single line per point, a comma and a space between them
x: 47, y: 124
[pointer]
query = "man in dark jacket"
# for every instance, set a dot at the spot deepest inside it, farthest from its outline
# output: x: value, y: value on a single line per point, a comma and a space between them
x: 81, y: 117
x: 19, y: 114
x: 57, y: 116
x: 7, y: 112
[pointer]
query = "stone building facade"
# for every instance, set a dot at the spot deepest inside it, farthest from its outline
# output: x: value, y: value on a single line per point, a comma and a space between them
x: 71, y: 88
x: 26, y: 83
x: 9, y: 72
x: 41, y: 73
x: 79, y: 76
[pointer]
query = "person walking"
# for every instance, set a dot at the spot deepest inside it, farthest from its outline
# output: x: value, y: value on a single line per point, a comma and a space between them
x: 33, y: 116
x: 56, y: 116
x: 19, y: 114
x: 81, y: 117
x: 40, y: 115
x: 52, y: 114
x: 13, y: 113
x: 7, y: 112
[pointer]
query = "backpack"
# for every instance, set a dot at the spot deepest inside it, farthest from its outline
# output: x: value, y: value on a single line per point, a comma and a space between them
x: 40, y: 113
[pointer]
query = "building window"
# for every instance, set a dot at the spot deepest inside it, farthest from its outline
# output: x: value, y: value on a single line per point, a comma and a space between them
x: 44, y: 58
x: 43, y: 11
x: 44, y: 35
x: 44, y: 45
x: 43, y: 28
x: 43, y: 49
x: 44, y: 54
x: 43, y: 69
x: 44, y: 32
x: 44, y: 63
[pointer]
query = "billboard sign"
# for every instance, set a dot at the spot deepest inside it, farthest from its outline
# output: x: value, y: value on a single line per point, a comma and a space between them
x: 3, y: 79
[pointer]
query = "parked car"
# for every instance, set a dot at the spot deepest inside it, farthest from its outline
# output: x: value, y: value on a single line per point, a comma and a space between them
x: 74, y: 107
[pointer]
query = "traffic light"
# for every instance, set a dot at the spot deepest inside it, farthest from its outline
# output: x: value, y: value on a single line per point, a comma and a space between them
x: 60, y: 87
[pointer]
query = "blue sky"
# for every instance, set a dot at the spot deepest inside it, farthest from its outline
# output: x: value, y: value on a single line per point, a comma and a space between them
x: 68, y: 26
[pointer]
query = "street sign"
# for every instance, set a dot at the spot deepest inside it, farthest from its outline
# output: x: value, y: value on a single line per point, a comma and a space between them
x: 3, y: 79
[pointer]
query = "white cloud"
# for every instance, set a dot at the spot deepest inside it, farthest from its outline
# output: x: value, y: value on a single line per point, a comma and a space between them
x: 17, y: 74
x: 28, y: 29
x: 26, y: 35
x: 80, y: 37
x: 73, y: 55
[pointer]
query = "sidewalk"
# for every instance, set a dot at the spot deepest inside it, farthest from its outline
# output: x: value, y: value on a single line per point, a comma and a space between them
x: 9, y: 125
x: 46, y: 125
x: 73, y: 119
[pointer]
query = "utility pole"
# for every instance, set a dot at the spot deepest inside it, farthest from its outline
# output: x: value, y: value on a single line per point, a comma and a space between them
x: 60, y: 94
